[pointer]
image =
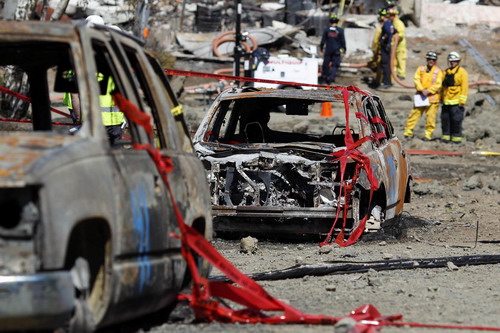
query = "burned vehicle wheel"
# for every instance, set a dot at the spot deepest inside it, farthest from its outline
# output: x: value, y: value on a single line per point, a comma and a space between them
x: 297, y: 172
x: 82, y: 320
x: 88, y: 259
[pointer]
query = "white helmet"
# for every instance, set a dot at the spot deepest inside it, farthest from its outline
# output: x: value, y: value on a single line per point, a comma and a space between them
x: 115, y: 27
x: 454, y: 56
x: 94, y: 19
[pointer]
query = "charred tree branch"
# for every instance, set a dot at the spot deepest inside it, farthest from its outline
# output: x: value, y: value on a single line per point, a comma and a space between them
x: 343, y: 267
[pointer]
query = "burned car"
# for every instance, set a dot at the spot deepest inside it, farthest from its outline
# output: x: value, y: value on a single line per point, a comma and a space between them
x: 274, y: 165
x: 85, y: 229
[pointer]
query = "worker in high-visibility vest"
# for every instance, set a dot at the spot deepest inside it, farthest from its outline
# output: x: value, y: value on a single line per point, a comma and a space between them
x: 428, y: 80
x: 112, y: 118
x: 455, y: 90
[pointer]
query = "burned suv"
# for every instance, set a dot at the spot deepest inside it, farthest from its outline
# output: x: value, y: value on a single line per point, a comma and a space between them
x: 275, y: 165
x: 85, y: 229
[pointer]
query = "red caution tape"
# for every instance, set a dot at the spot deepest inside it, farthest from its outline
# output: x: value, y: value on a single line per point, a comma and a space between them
x: 247, y: 292
x: 27, y: 99
x: 345, y: 189
x: 434, y: 152
x: 57, y: 123
x: 133, y: 113
x: 239, y: 78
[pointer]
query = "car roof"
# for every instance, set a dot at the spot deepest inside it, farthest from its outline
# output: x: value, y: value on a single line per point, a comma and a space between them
x: 327, y: 95
x: 50, y: 31
x: 13, y: 29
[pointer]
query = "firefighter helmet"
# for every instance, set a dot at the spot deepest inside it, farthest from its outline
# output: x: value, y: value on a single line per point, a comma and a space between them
x: 94, y: 19
x: 454, y: 56
x: 431, y: 55
x: 382, y: 12
x: 390, y: 4
x: 334, y: 18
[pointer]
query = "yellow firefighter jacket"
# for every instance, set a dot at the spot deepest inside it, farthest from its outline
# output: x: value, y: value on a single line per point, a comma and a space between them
x: 376, y: 37
x: 430, y: 80
x: 400, y: 27
x: 455, y: 86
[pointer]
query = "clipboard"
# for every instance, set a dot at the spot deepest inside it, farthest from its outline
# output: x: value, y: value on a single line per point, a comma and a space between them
x: 420, y: 101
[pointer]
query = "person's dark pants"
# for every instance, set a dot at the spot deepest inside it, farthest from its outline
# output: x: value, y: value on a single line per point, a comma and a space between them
x: 334, y: 59
x: 451, y: 120
x: 114, y: 133
x: 72, y: 113
x: 385, y: 62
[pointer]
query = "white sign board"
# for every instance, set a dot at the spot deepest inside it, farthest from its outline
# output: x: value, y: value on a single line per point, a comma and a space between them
x: 287, y: 69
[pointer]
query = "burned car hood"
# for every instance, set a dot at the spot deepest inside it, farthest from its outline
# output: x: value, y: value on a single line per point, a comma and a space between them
x: 21, y: 155
x: 293, y: 152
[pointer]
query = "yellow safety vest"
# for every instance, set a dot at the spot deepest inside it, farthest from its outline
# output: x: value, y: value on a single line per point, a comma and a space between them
x: 400, y: 27
x: 457, y: 93
x: 431, y: 80
x: 110, y: 113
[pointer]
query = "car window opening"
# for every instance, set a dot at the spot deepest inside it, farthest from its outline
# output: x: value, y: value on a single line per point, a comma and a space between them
x: 257, y: 121
x: 32, y: 75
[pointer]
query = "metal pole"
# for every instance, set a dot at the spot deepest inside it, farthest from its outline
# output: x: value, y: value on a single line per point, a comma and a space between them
x: 237, y: 43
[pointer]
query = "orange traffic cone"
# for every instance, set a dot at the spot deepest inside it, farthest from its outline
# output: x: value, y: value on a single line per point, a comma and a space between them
x: 326, y: 109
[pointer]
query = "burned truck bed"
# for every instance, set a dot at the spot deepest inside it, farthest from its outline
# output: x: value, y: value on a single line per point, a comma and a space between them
x: 274, y: 165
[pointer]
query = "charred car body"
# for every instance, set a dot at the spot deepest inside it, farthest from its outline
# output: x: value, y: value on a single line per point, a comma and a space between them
x: 270, y: 162
x: 84, y: 232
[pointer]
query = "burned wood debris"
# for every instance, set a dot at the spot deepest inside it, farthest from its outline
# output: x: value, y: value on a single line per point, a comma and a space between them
x: 350, y: 267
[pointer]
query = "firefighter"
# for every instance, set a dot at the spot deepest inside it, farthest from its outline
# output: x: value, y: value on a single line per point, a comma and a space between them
x: 428, y: 80
x: 385, y: 41
x: 455, y: 89
x: 401, y: 53
x: 334, y: 39
x: 374, y: 62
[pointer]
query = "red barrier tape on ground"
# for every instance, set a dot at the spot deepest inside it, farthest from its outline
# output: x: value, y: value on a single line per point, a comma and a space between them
x: 248, y: 293
x: 434, y: 152
x: 57, y: 123
x: 27, y: 99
